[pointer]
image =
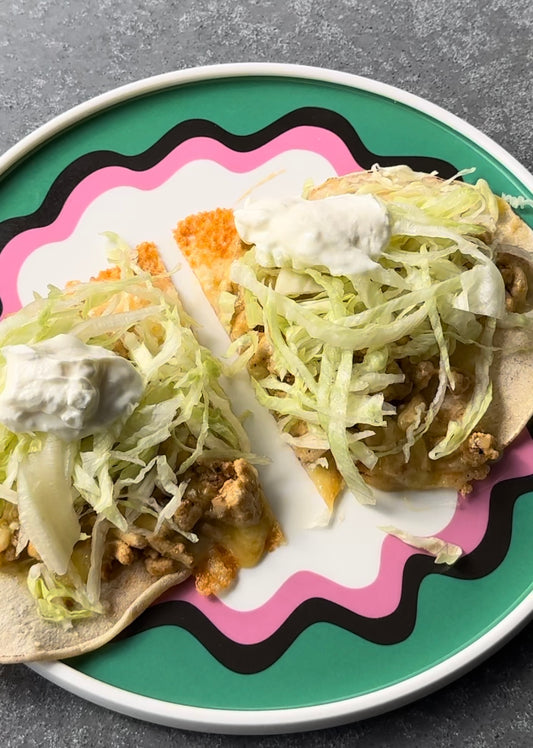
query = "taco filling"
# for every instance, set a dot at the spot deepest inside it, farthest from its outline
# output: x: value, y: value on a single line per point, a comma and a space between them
x: 383, y: 319
x: 123, y: 469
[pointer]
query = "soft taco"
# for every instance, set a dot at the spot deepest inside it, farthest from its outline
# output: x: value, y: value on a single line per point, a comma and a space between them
x: 123, y: 470
x: 383, y: 319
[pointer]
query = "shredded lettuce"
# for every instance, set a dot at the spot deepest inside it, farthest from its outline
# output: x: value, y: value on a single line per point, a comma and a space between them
x: 518, y: 201
x: 226, y: 304
x: 183, y: 417
x: 46, y: 503
x: 60, y: 599
x: 444, y: 552
x: 340, y: 345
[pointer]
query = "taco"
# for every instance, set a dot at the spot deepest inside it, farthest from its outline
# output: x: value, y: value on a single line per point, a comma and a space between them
x: 123, y: 470
x: 383, y: 319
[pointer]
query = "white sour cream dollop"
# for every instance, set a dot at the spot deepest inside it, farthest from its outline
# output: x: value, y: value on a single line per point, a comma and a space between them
x: 67, y: 388
x: 345, y: 234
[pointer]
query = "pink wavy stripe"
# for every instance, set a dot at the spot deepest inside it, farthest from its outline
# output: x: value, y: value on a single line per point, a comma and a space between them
x: 307, y: 138
x: 466, y: 529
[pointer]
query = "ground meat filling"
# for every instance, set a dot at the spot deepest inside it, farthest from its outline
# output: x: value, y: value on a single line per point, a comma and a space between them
x: 412, y: 398
x: 515, y: 280
x: 162, y: 553
x: 9, y: 538
x: 471, y: 461
x: 309, y: 456
x: 8, y: 542
x: 221, y: 495
x: 222, y: 492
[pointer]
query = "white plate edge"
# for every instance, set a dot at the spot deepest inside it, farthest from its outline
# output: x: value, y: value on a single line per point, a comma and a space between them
x: 272, y: 721
x: 302, y: 718
x: 264, y: 69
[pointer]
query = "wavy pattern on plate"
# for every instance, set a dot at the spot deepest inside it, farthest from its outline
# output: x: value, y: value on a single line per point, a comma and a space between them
x: 499, y: 493
x: 384, y: 612
x: 469, y: 524
x: 309, y: 128
x: 87, y: 164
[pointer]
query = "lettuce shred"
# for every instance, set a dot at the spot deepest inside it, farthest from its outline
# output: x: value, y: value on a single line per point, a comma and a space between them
x: 518, y: 201
x: 443, y: 551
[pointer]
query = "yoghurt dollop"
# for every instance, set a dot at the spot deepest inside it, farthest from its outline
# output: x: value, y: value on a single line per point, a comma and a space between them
x: 345, y: 234
x: 67, y: 388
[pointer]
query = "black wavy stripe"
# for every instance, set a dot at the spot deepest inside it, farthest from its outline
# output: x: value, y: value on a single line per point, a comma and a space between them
x: 387, y: 630
x: 81, y: 167
x: 391, y: 629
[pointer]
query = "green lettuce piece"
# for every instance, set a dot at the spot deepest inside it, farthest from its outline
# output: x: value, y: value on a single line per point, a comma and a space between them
x: 444, y: 552
x: 59, y: 599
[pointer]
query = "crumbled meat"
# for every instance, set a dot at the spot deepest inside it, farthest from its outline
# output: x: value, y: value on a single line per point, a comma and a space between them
x: 516, y: 284
x: 239, y: 502
x: 122, y: 552
x: 164, y: 550
x: 262, y: 363
x: 479, y: 449
x: 410, y: 413
x: 9, y: 534
x: 422, y: 373
x: 223, y: 490
x: 239, y: 325
x: 412, y: 398
x: 133, y: 539
x: 188, y: 513
x: 308, y: 455
x: 174, y: 549
x: 206, y: 479
x: 205, y: 482
x: 471, y: 462
x: 116, y: 552
x: 161, y: 566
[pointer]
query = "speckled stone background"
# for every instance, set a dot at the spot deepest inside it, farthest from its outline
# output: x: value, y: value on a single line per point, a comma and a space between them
x: 474, y: 58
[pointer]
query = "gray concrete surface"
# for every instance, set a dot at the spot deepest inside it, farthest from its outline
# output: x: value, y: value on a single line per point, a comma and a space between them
x: 475, y: 59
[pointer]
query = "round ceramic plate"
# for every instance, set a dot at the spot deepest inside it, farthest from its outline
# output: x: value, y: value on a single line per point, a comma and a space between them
x: 344, y: 621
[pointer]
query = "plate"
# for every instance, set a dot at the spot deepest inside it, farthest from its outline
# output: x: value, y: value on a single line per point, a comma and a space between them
x: 343, y: 622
